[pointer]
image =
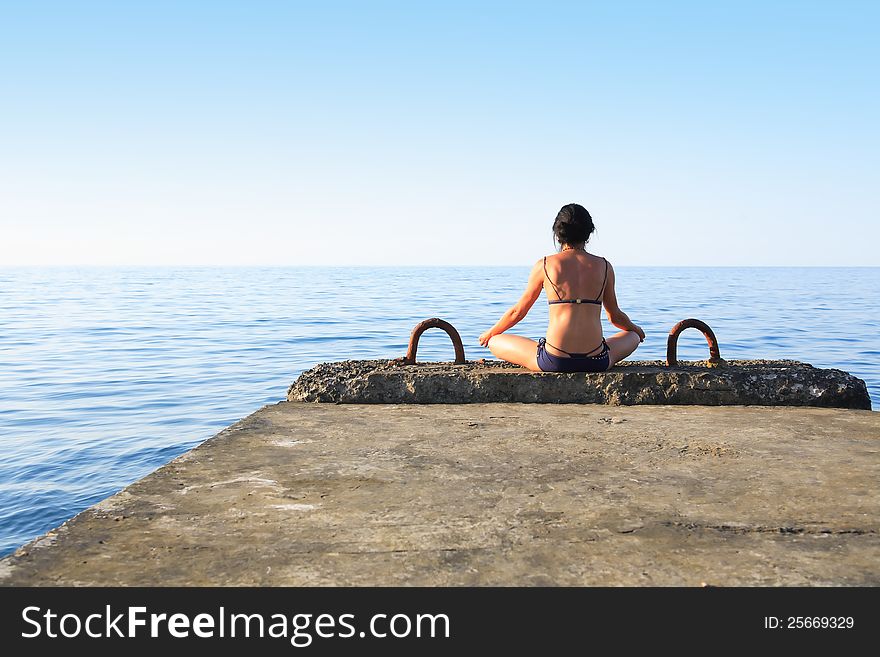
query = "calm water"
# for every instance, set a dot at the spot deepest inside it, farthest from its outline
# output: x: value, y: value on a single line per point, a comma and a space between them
x: 106, y: 374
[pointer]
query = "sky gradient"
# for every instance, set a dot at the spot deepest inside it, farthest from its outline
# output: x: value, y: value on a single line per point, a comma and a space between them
x: 285, y: 133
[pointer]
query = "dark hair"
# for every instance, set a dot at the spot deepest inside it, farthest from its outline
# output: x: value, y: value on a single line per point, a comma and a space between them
x: 573, y: 225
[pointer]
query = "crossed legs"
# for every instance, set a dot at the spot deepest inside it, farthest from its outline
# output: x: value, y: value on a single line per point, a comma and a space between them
x: 524, y: 351
x: 515, y: 349
x: 621, y: 345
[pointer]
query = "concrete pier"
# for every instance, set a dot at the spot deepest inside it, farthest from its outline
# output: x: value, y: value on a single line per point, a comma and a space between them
x: 492, y: 494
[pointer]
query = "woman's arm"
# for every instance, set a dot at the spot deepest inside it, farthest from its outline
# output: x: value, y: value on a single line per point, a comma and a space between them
x: 521, y: 308
x: 615, y: 315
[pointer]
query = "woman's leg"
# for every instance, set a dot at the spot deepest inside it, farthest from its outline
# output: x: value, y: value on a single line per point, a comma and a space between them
x: 516, y: 349
x: 621, y: 345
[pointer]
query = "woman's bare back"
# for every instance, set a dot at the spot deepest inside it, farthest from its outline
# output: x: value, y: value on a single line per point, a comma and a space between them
x: 575, y: 274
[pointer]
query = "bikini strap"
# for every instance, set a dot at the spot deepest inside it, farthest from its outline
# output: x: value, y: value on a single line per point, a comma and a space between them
x: 556, y: 348
x: 602, y: 345
x: 556, y: 289
x: 604, y: 280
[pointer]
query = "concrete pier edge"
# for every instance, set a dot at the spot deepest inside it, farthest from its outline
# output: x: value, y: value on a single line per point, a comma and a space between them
x: 739, y: 382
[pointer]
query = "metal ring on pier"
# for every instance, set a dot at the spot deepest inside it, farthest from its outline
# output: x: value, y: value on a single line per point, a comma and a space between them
x: 715, y: 359
x: 434, y: 322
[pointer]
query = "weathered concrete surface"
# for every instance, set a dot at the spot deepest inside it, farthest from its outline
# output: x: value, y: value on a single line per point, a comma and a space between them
x: 755, y: 382
x: 319, y: 494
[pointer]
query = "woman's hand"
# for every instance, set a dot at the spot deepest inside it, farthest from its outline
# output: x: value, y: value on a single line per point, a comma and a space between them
x: 639, y: 331
x: 484, y: 338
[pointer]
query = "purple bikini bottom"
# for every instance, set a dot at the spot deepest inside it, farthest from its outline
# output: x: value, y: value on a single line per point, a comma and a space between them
x: 575, y: 362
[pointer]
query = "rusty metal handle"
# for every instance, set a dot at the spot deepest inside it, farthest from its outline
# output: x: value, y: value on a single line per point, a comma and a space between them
x: 715, y: 359
x: 434, y: 322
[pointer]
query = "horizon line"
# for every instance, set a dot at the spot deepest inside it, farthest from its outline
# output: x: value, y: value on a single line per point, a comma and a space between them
x: 397, y: 266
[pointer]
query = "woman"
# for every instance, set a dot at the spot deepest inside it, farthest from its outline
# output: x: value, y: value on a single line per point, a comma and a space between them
x: 577, y: 284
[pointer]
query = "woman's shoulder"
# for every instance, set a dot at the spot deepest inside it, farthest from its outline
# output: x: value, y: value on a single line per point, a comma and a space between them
x: 601, y: 261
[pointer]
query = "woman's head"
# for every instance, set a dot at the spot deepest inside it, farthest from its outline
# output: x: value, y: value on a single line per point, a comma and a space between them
x: 573, y: 225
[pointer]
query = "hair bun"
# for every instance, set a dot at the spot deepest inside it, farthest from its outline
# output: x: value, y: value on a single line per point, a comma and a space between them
x: 573, y: 225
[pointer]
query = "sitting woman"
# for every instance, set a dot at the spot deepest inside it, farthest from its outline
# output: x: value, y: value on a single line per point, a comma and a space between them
x: 577, y: 284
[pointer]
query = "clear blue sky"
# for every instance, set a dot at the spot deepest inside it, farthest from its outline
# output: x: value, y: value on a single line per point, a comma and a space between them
x: 732, y: 133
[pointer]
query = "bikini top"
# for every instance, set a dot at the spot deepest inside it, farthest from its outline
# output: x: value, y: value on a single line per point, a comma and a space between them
x: 597, y: 300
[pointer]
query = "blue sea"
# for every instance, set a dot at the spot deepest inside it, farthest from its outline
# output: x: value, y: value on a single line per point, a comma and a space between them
x: 106, y: 374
